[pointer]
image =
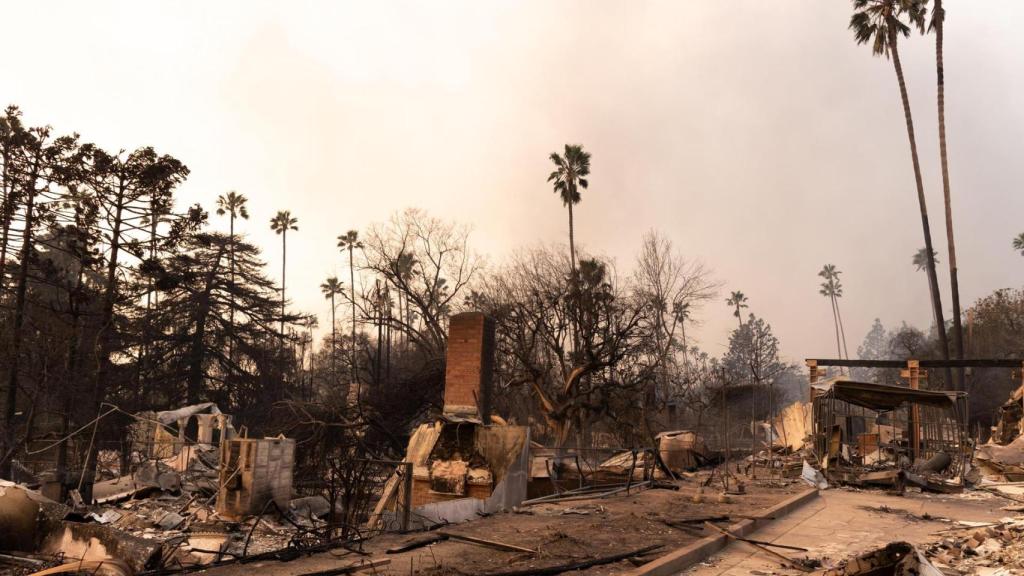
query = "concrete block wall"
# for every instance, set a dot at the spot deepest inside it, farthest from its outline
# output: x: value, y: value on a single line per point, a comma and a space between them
x: 254, y: 471
x: 469, y: 366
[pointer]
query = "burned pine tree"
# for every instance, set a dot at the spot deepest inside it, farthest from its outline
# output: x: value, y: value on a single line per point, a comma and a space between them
x: 125, y: 186
x: 33, y: 165
x: 204, y: 314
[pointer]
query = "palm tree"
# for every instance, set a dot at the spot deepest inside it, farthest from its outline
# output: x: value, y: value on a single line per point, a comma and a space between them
x: 569, y: 176
x: 232, y: 204
x: 920, y: 261
x: 832, y: 289
x: 281, y: 223
x: 682, y: 311
x: 331, y: 288
x: 350, y: 241
x: 937, y: 23
x: 1018, y: 243
x: 738, y: 300
x: 879, y: 23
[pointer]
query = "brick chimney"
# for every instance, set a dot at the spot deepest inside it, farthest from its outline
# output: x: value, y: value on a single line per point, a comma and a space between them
x: 469, y: 367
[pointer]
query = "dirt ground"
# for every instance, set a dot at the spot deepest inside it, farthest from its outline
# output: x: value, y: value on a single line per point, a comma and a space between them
x: 561, y: 533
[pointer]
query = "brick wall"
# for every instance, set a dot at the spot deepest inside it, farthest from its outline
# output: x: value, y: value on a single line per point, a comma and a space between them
x: 469, y: 366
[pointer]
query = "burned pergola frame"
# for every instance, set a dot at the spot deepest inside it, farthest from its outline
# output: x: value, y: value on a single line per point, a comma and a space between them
x: 850, y: 440
x: 911, y: 370
x: 929, y: 432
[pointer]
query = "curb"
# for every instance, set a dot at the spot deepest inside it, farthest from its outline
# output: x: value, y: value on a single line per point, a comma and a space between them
x: 682, y: 558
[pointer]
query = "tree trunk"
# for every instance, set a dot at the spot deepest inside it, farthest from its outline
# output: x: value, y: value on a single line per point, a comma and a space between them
x: 573, y: 287
x: 334, y: 344
x: 17, y: 334
x: 7, y: 214
x: 958, y: 331
x: 284, y: 261
x: 835, y: 324
x: 842, y: 331
x: 922, y: 203
x: 231, y: 297
x: 197, y: 355
x: 352, y: 294
x: 105, y: 336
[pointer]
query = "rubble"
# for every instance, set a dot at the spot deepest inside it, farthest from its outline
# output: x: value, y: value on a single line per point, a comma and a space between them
x: 998, y: 546
x: 1001, y: 459
x: 896, y: 559
x: 874, y: 434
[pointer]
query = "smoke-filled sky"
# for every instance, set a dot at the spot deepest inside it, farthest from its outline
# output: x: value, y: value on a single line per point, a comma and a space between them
x: 756, y: 135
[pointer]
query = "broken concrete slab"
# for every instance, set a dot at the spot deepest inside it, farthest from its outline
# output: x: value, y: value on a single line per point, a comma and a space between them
x: 98, y: 542
x: 26, y: 517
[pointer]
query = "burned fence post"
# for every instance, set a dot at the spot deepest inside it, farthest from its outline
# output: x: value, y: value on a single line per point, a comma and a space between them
x: 812, y: 377
x: 406, y: 502
x: 913, y: 373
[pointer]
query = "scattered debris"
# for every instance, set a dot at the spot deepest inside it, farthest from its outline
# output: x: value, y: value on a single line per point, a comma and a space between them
x: 998, y: 545
x: 896, y: 559
x: 875, y: 434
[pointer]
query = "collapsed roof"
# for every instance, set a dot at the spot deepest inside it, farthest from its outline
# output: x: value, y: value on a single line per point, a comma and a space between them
x: 882, y: 397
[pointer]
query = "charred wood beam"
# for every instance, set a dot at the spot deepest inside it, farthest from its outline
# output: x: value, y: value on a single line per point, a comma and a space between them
x: 953, y: 363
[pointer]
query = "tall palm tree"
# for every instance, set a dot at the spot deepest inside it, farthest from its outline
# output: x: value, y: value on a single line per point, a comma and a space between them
x: 331, y: 288
x: 739, y: 301
x: 350, y: 241
x: 920, y: 261
x: 832, y: 289
x: 880, y: 23
x: 281, y: 223
x: 1018, y: 243
x: 232, y: 204
x: 937, y: 23
x: 569, y: 176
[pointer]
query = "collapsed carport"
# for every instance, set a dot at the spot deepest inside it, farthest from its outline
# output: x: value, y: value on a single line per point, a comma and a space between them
x: 866, y: 433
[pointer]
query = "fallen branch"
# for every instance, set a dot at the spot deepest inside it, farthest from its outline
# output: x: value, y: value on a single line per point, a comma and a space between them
x: 784, y: 560
x: 350, y: 568
x: 488, y: 543
x: 550, y: 570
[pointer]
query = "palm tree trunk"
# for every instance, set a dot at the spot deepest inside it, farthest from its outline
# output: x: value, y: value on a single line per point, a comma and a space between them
x: 284, y: 262
x: 572, y: 244
x: 842, y: 331
x: 922, y: 203
x: 334, y: 344
x: 352, y: 294
x: 835, y: 324
x: 958, y: 331
x: 231, y: 298
x: 572, y: 272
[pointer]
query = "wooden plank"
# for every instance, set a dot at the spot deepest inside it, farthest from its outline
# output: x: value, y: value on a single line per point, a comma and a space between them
x: 952, y: 363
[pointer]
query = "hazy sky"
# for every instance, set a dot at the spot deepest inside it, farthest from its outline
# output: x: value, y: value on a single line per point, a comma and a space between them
x: 756, y: 135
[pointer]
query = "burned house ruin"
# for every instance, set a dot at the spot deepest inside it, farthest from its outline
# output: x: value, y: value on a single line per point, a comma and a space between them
x: 467, y: 462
